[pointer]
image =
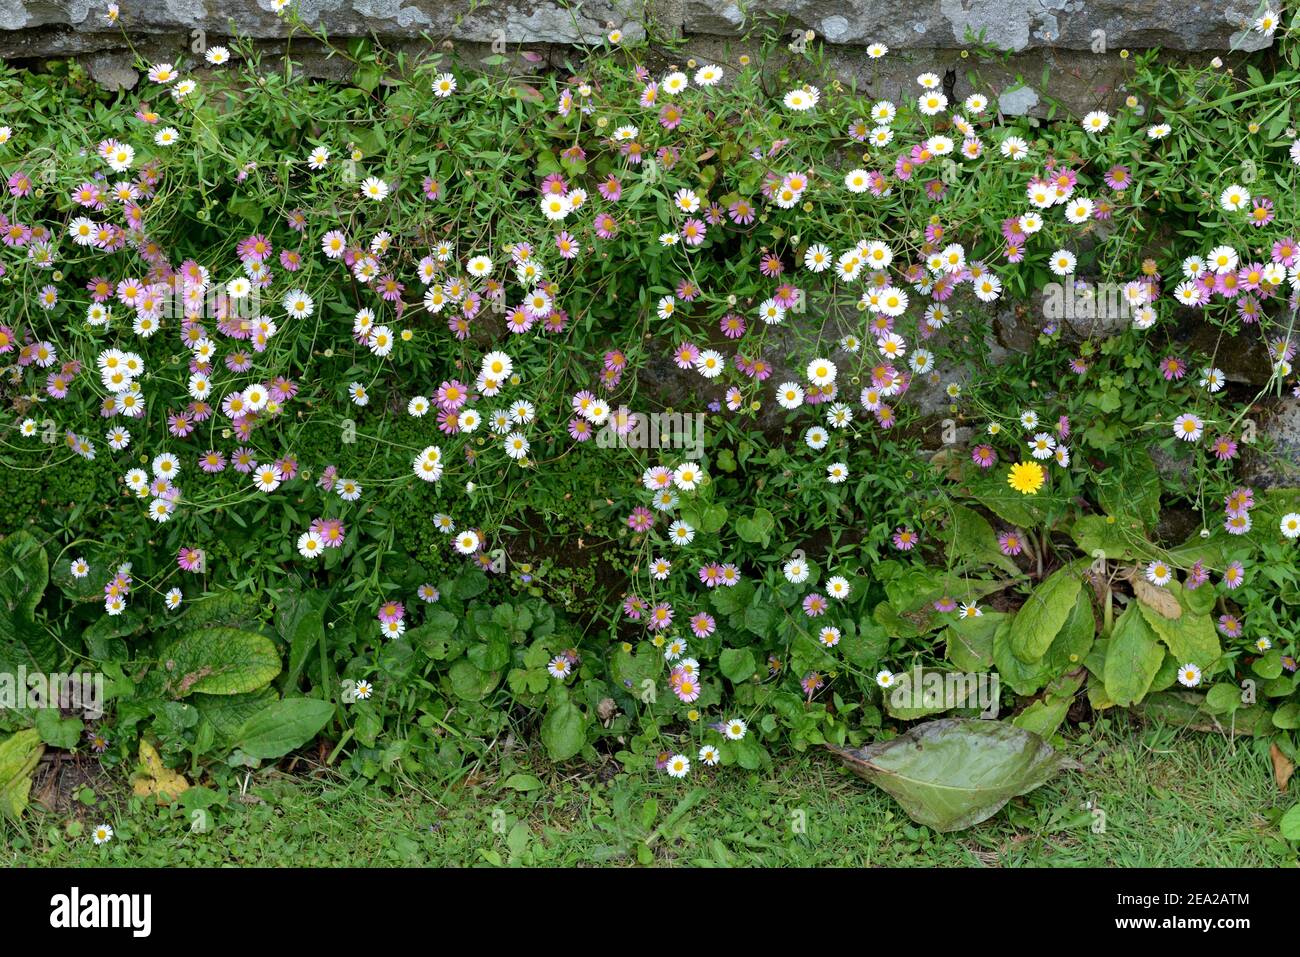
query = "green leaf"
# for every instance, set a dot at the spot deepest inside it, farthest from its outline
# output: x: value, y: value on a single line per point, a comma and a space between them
x: 971, y: 539
x: 301, y: 623
x: 713, y: 518
x: 925, y: 691
x: 970, y: 641
x: 1190, y: 637
x: 523, y: 782
x: 230, y: 608
x: 19, y: 755
x: 954, y: 773
x: 865, y: 644
x: 435, y: 637
x: 758, y: 620
x: 24, y: 574
x: 756, y: 527
x: 227, y: 713
x: 1102, y: 536
x: 1132, y: 659
x: 749, y: 754
x: 469, y: 584
x: 247, y: 209
x: 737, y: 664
x: 103, y: 639
x: 283, y: 726
x: 470, y: 682
x: 563, y: 730
x: 1072, y: 644
x: 734, y: 600
x: 1223, y: 698
x: 1043, y: 614
x: 220, y: 661
x: 1021, y: 678
x: 1043, y: 717
x: 1268, y: 666
x: 1287, y: 716
x: 886, y: 616
x: 1290, y: 823
x: 1011, y: 506
x: 493, y: 652
x: 58, y: 731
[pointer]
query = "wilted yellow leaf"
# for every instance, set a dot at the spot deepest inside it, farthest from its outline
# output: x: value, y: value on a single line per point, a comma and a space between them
x: 152, y: 777
x: 1159, y: 600
x: 19, y: 755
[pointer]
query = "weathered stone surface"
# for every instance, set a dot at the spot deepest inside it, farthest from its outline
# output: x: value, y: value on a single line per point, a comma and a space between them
x: 1096, y: 28
x: 112, y: 71
x: 1014, y: 25
x: 1281, y: 464
x: 75, y: 26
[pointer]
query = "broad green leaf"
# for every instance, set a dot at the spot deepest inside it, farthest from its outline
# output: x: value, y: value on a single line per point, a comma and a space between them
x: 713, y: 518
x: 895, y: 625
x: 921, y: 692
x: 563, y: 731
x: 1132, y: 659
x: 734, y: 600
x: 227, y: 713
x: 436, y: 637
x: 1072, y: 644
x: 471, y: 682
x: 1098, y: 699
x: 470, y: 583
x: 1223, y: 698
x: 58, y: 731
x: 1104, y: 536
x: 758, y: 620
x: 756, y: 527
x: 523, y: 782
x: 1043, y: 614
x: 1043, y: 717
x: 737, y: 664
x: 749, y: 754
x: 300, y: 621
x: 283, y: 726
x: 970, y: 641
x: 1268, y: 666
x: 24, y: 573
x: 1190, y: 637
x: 1021, y: 678
x: 1287, y: 716
x: 633, y: 668
x: 992, y: 491
x: 492, y: 653
x: 104, y: 638
x: 865, y: 644
x: 971, y: 539
x: 954, y: 773
x: 231, y: 608
x: 1289, y: 824
x: 219, y: 661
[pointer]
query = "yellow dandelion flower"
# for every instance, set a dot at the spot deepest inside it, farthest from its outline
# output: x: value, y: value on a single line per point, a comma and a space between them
x: 1026, y: 477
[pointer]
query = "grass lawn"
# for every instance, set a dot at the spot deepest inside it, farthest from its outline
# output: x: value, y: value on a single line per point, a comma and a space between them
x: 1169, y: 798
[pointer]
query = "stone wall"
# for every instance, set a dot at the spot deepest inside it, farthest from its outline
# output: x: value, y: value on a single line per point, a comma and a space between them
x: 1075, y: 44
x: 1068, y: 51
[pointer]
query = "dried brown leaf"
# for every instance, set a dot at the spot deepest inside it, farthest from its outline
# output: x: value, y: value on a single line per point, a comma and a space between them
x: 1283, y: 767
